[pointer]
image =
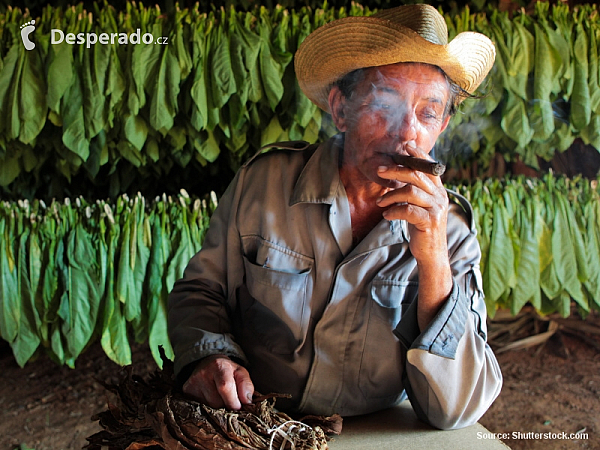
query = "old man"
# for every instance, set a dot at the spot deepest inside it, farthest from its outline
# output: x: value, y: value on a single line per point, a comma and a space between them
x: 332, y: 273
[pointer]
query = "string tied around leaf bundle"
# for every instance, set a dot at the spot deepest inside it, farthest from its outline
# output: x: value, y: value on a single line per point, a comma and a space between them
x: 288, y: 435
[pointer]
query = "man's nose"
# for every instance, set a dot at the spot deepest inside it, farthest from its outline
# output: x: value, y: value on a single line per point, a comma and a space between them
x: 404, y: 126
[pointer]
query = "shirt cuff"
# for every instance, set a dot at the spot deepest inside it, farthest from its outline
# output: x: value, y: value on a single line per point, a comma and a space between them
x: 222, y: 345
x: 442, y: 335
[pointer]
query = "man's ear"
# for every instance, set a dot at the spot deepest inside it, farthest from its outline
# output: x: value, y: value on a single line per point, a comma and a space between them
x: 445, y: 122
x: 337, y: 106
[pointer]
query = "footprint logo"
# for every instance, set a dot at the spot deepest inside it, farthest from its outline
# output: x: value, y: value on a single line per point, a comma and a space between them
x: 26, y: 30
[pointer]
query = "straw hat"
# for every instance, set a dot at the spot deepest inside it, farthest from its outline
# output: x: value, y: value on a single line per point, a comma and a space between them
x: 410, y: 33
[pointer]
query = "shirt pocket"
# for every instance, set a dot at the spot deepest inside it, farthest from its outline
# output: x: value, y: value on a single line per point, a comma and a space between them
x: 382, y: 363
x: 277, y: 280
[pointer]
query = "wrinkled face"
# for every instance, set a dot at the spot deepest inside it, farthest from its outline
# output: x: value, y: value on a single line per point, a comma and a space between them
x: 393, y: 107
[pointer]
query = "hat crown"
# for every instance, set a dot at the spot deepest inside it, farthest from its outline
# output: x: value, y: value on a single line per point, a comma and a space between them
x: 425, y: 20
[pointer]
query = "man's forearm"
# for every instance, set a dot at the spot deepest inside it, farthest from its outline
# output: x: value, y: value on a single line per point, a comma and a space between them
x: 435, y: 285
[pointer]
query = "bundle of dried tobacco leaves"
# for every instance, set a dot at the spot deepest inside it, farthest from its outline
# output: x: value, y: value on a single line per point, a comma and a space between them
x: 154, y: 415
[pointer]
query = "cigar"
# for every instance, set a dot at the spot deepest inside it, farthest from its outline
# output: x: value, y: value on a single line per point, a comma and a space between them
x: 422, y: 165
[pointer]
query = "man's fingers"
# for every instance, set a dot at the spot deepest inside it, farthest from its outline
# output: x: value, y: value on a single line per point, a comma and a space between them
x: 245, y: 387
x: 405, y: 175
x: 220, y: 382
x: 227, y: 390
x: 406, y: 194
x: 203, y: 392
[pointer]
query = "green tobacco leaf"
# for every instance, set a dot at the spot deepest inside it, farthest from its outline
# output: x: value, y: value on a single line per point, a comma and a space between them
x: 209, y: 148
x: 94, y: 68
x: 32, y: 102
x: 563, y: 252
x: 115, y: 86
x: 199, y: 117
x: 133, y: 261
x: 500, y: 267
x: 577, y: 236
x: 522, y: 60
x: 80, y: 301
x: 244, y: 45
x: 527, y: 286
x: 581, y: 109
x: 271, y: 71
x: 546, y: 63
x: 590, y: 135
x: 136, y: 76
x: 27, y: 339
x: 9, y: 80
x: 182, y: 248
x: 9, y: 299
x: 165, y: 88
x: 273, y: 133
x: 113, y: 336
x: 9, y: 169
x: 136, y: 130
x: 515, y: 122
x: 22, y: 95
x: 157, y: 292
x: 34, y: 260
x: 50, y: 236
x: 502, y: 53
x: 592, y: 220
x: 305, y: 109
x: 74, y: 133
x: 594, y: 67
x: 222, y: 81
x: 179, y: 37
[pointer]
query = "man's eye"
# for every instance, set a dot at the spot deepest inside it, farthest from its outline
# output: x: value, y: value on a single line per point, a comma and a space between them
x: 430, y: 115
x: 379, y: 105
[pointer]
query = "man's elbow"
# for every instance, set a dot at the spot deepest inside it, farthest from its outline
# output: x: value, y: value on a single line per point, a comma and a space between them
x: 472, y: 409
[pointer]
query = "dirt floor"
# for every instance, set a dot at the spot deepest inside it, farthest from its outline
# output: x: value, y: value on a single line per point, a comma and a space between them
x: 548, y: 388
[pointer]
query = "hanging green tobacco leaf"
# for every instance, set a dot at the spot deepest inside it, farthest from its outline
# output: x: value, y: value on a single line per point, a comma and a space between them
x: 592, y: 220
x: 27, y: 340
x: 73, y: 120
x: 563, y: 254
x: 528, y: 265
x: 546, y: 62
x: 222, y: 80
x: 500, y: 263
x: 113, y: 336
x: 581, y: 109
x: 22, y: 95
x: 80, y: 301
x: 515, y: 121
x: 271, y: 69
x: 9, y: 300
x: 157, y: 289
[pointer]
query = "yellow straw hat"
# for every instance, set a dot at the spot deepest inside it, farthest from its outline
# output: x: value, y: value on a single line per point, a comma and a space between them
x: 409, y: 33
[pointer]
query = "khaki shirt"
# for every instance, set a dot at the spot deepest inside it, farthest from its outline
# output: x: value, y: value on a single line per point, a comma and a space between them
x: 278, y: 286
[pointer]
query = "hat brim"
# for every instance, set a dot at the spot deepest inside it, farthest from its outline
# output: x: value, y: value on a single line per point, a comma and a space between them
x: 351, y: 43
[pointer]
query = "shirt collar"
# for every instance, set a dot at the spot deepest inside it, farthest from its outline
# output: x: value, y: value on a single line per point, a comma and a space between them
x: 320, y: 181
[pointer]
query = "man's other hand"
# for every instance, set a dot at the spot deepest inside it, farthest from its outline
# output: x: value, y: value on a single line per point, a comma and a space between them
x: 220, y: 382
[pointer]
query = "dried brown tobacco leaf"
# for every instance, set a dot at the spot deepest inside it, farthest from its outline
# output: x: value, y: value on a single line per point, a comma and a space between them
x: 155, y: 415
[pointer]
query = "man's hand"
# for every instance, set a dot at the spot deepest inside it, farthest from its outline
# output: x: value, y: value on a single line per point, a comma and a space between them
x: 423, y: 203
x: 220, y: 382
